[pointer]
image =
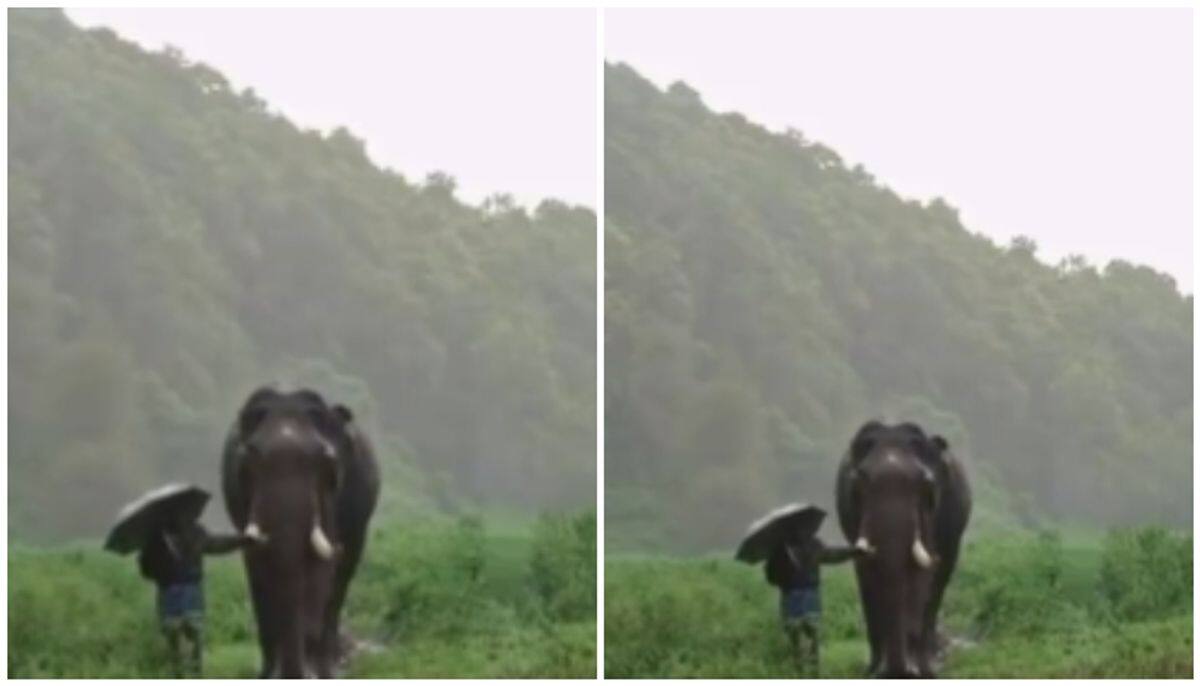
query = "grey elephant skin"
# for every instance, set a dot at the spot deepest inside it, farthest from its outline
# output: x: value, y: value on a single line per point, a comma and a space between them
x: 902, y: 498
x: 299, y: 477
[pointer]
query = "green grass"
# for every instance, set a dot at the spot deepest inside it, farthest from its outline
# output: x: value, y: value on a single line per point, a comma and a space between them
x: 435, y: 598
x: 1022, y: 605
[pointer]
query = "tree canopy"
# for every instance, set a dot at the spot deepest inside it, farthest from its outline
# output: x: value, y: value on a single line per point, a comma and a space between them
x: 174, y: 243
x: 763, y: 299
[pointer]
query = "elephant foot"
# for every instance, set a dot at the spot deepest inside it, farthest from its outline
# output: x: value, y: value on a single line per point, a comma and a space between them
x: 872, y: 667
x: 345, y: 647
x: 906, y: 674
x: 909, y: 670
x: 925, y: 671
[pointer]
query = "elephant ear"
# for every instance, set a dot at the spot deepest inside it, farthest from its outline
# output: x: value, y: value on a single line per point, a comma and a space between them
x: 343, y: 419
x: 942, y: 458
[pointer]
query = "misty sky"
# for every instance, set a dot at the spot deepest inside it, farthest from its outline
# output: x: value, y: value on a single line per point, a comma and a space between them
x: 1073, y: 127
x: 503, y: 100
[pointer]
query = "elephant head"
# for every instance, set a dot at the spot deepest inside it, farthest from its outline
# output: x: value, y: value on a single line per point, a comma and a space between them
x: 899, y: 499
x: 285, y: 466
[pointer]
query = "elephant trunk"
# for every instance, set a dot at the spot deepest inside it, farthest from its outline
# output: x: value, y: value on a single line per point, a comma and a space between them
x: 295, y: 563
x: 292, y: 660
x: 894, y: 565
x: 895, y: 649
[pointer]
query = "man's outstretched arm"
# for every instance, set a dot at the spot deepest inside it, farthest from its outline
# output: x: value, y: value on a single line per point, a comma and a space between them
x: 832, y: 555
x: 218, y: 544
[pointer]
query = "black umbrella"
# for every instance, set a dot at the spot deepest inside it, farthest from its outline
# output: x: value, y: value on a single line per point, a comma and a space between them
x: 151, y: 512
x: 783, y: 524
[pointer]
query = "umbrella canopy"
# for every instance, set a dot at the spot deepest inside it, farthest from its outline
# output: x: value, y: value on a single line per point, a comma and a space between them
x: 796, y: 520
x: 149, y: 513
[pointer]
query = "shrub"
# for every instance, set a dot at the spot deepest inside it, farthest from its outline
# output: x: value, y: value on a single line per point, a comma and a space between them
x: 1017, y: 586
x: 433, y: 597
x: 1146, y: 573
x: 563, y: 565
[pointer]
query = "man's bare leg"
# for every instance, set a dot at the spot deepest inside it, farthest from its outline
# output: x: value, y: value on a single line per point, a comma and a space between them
x: 194, y: 634
x: 811, y: 634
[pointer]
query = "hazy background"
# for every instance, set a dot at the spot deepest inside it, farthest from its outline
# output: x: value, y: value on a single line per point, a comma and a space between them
x: 765, y: 295
x: 1073, y: 127
x: 505, y: 100
x: 176, y: 240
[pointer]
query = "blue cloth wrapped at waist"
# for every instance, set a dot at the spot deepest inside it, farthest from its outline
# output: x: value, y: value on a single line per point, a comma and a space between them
x: 800, y: 602
x: 180, y: 600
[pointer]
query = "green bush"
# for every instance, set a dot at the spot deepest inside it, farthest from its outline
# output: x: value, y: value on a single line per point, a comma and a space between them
x: 1020, y: 605
x: 1016, y: 586
x: 1147, y: 573
x: 426, y: 579
x: 707, y: 618
x: 563, y: 565
x: 81, y: 612
x: 432, y: 598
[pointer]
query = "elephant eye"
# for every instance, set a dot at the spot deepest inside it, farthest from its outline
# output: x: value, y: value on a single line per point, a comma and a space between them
x: 251, y: 418
x: 862, y: 447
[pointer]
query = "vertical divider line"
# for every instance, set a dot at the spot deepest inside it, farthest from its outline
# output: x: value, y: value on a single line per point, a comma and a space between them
x: 599, y: 342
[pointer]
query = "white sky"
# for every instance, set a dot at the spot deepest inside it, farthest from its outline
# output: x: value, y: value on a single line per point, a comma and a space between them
x: 502, y: 100
x: 1071, y: 126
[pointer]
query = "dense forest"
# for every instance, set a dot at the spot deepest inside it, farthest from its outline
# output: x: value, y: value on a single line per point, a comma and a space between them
x: 175, y: 243
x: 763, y: 299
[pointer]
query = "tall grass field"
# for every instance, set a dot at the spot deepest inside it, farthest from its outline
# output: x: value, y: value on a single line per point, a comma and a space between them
x: 470, y: 597
x: 1045, y: 605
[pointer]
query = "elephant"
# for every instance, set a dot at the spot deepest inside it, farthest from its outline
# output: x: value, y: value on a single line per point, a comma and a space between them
x: 300, y: 478
x: 903, y: 499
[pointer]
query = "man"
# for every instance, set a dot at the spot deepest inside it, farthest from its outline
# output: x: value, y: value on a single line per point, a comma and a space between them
x: 795, y: 568
x: 173, y: 558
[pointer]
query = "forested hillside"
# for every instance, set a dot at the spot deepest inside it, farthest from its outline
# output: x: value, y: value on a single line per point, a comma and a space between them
x: 174, y: 243
x: 763, y: 300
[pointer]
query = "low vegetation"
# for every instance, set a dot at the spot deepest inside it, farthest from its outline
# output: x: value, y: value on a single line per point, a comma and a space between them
x: 1042, y: 605
x: 472, y: 597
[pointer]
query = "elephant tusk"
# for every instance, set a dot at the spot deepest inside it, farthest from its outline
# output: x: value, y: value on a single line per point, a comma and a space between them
x: 320, y: 543
x: 864, y: 545
x: 254, y: 533
x: 920, y: 554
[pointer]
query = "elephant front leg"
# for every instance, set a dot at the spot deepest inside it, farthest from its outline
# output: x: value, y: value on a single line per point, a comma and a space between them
x: 941, y: 579
x: 266, y: 629
x: 340, y: 649
x: 926, y: 649
x: 873, y: 621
